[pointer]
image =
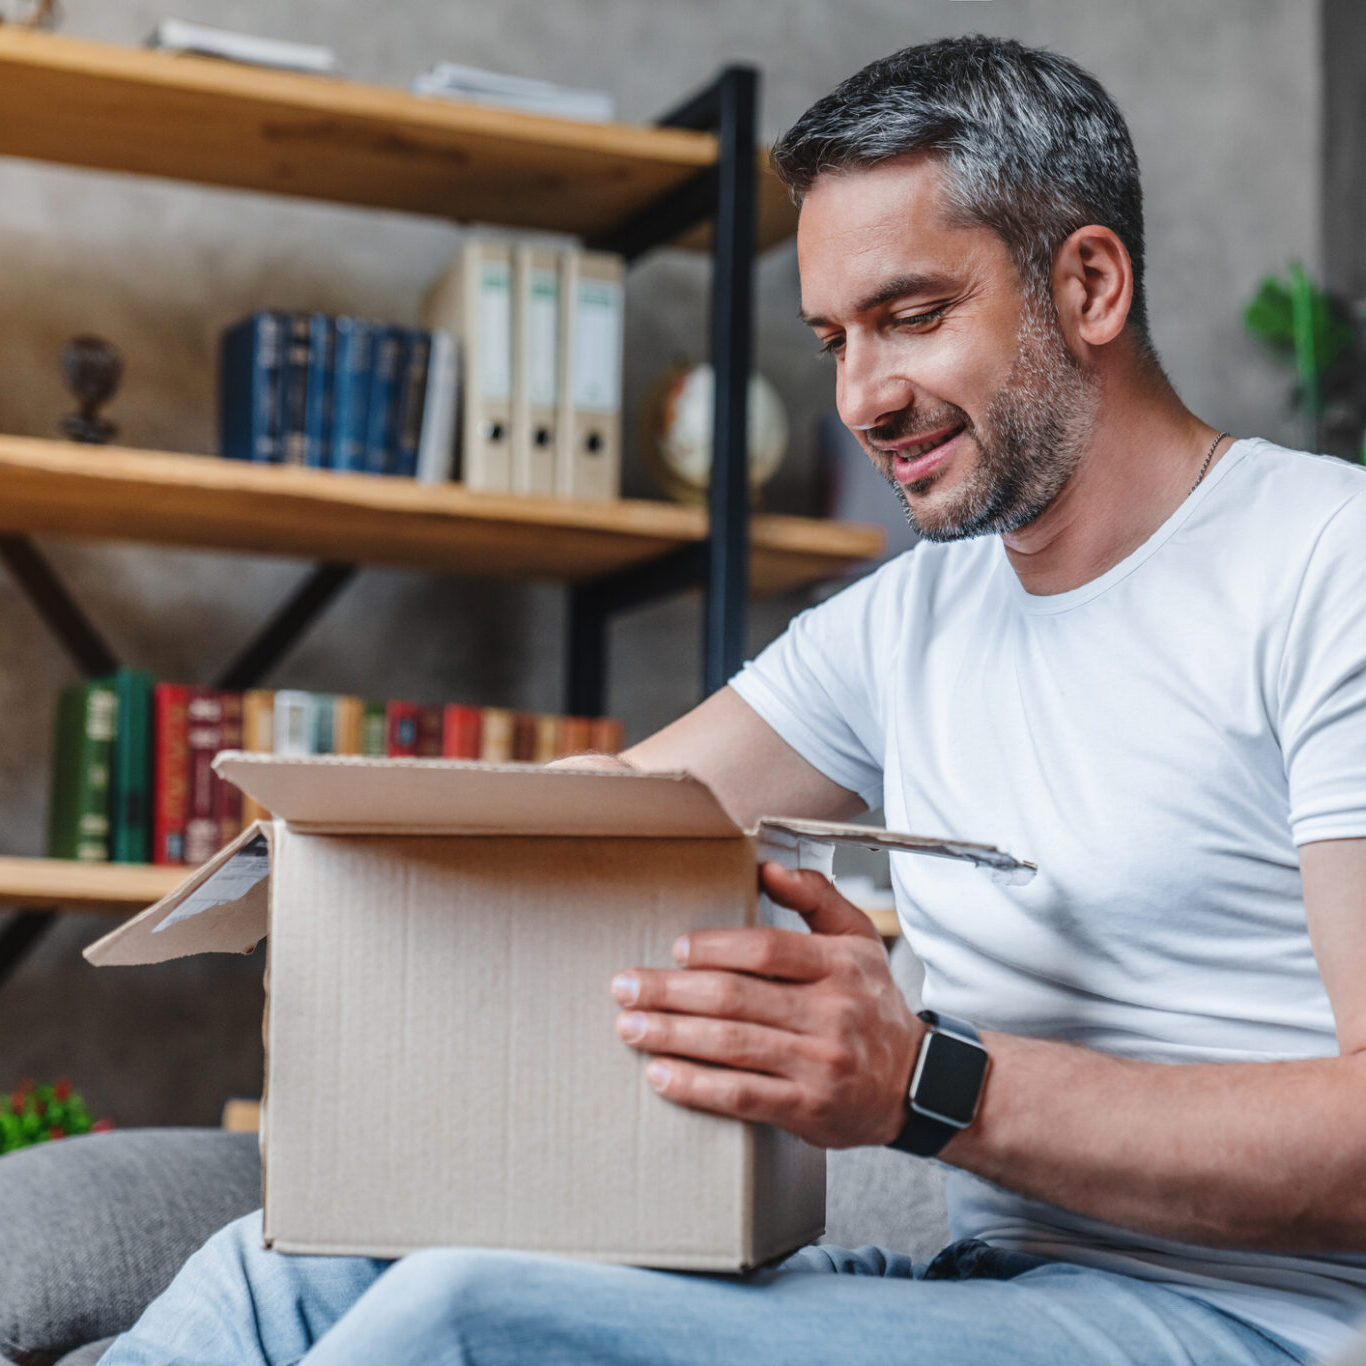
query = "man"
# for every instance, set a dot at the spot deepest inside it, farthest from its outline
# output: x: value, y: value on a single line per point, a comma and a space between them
x: 1129, y: 649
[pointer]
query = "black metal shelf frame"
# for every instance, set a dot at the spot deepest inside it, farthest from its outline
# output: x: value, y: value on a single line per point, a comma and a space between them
x: 726, y: 193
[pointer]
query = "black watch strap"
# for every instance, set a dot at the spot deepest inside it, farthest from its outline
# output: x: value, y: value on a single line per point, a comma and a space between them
x: 928, y: 1129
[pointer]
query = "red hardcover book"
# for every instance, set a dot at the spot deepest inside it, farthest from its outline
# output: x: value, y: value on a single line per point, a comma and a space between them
x: 429, y: 729
x: 523, y: 738
x: 170, y: 771
x: 400, y: 729
x: 204, y: 733
x: 606, y: 735
x: 227, y: 799
x: 576, y: 735
x: 462, y: 734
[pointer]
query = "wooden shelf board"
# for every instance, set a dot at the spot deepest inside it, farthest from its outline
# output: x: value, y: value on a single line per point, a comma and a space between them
x: 186, y: 118
x: 65, y: 884
x: 155, y: 498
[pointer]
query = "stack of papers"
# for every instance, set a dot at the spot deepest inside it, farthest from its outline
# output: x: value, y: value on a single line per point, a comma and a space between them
x: 174, y: 35
x: 451, y: 81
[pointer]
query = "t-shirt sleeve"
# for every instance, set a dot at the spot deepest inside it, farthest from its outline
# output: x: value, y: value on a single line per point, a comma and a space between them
x: 819, y: 685
x: 1323, y: 684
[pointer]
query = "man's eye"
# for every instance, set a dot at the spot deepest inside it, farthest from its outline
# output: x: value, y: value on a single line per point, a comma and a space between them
x: 831, y: 346
x: 916, y: 320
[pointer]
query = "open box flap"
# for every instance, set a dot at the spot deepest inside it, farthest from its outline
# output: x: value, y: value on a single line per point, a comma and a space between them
x: 221, y: 907
x: 347, y: 795
x: 1002, y: 866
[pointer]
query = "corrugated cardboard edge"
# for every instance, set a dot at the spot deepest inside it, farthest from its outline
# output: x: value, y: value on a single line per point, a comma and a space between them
x: 132, y: 942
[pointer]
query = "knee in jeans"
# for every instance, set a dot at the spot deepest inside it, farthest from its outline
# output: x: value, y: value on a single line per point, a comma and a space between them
x: 453, y: 1287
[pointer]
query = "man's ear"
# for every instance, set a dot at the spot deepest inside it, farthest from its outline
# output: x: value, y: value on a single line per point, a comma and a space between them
x: 1093, y: 285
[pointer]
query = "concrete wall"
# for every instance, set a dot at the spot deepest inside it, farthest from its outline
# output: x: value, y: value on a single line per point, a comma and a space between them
x: 1224, y: 101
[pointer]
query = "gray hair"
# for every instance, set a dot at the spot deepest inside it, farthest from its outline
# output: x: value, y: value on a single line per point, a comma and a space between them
x: 1032, y: 146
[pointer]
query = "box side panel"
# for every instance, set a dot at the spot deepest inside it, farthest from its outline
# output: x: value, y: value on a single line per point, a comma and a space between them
x: 789, y: 1194
x: 443, y: 1063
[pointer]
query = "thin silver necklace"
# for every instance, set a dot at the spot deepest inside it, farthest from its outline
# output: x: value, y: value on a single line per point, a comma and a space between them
x: 1209, y: 455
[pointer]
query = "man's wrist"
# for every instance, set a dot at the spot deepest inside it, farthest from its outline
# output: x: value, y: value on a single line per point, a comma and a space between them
x: 945, y: 1090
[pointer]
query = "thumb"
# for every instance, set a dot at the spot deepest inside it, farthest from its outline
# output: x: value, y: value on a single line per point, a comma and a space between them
x: 813, y: 896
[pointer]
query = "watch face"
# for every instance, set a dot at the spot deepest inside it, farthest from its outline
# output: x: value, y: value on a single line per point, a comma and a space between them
x: 948, y: 1078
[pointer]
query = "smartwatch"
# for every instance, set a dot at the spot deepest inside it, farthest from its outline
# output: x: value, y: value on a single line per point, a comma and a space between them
x: 946, y: 1085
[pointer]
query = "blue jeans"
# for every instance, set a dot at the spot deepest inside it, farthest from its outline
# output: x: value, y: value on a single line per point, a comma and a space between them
x: 974, y: 1305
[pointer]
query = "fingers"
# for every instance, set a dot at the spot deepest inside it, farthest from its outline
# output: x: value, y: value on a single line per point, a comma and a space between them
x: 723, y: 1091
x: 722, y: 995
x: 731, y: 1043
x: 813, y: 896
x: 764, y: 951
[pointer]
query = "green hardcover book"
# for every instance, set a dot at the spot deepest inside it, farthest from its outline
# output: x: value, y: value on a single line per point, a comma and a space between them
x: 130, y: 800
x: 86, y: 720
x: 374, y: 742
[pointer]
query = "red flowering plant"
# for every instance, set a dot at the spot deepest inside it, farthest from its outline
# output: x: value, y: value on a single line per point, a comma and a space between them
x: 39, y: 1113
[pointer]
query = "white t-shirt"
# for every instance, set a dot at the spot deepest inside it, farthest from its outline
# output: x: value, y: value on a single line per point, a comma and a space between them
x: 1159, y: 741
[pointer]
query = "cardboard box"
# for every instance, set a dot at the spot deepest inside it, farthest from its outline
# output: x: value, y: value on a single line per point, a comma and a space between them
x: 442, y: 1066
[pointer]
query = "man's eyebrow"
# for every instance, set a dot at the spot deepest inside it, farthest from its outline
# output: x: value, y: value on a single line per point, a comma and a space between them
x: 899, y: 287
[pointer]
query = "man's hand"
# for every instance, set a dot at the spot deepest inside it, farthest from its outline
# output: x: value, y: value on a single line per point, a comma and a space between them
x: 805, y: 1031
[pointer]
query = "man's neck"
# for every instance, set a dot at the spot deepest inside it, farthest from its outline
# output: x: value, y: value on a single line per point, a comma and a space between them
x: 1144, y: 455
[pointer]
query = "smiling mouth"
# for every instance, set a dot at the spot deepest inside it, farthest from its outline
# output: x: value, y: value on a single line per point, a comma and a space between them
x: 913, y: 459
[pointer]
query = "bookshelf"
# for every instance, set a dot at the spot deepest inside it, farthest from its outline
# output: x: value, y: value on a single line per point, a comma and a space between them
x: 154, y: 498
x: 697, y: 179
x: 209, y: 122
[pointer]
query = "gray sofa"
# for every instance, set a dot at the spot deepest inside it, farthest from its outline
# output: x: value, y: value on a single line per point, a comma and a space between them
x: 92, y: 1229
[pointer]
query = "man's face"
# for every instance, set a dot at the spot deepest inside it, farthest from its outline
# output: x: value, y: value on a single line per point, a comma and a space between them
x: 956, y: 380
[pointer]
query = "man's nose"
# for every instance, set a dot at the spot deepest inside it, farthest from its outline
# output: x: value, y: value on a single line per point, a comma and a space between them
x: 870, y: 390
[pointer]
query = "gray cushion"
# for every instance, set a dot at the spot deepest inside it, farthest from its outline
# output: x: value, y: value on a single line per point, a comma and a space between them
x: 96, y: 1227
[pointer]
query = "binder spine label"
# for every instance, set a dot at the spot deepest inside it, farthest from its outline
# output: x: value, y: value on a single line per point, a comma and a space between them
x: 597, y: 345
x: 495, y: 331
x: 543, y: 340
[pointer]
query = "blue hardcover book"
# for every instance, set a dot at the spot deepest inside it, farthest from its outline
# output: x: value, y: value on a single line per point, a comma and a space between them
x: 305, y: 339
x: 250, y: 357
x: 417, y: 347
x: 382, y: 407
x: 352, y: 356
x: 318, y: 401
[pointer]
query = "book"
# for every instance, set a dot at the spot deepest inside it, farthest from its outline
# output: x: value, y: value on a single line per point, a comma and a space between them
x: 258, y: 736
x: 576, y: 735
x: 462, y: 732
x: 400, y: 730
x: 436, y: 447
x: 606, y: 735
x: 203, y: 739
x: 450, y: 80
x: 324, y: 723
x: 302, y: 381
x: 318, y: 398
x: 348, y: 725
x: 373, y: 731
x: 412, y: 392
x: 250, y: 356
x: 352, y: 359
x: 430, y: 726
x: 170, y: 771
x: 294, y: 729
x: 78, y: 824
x: 496, y: 743
x: 382, y: 402
x: 227, y: 799
x: 523, y: 737
x: 130, y: 802
x: 175, y: 35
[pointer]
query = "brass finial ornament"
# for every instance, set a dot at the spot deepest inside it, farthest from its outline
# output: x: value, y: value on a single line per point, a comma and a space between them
x: 92, y: 368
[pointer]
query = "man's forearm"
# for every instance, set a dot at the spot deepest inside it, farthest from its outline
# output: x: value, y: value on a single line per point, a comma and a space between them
x: 1259, y: 1155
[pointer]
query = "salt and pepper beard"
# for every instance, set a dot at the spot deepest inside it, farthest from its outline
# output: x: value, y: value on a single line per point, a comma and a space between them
x: 1029, y: 442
